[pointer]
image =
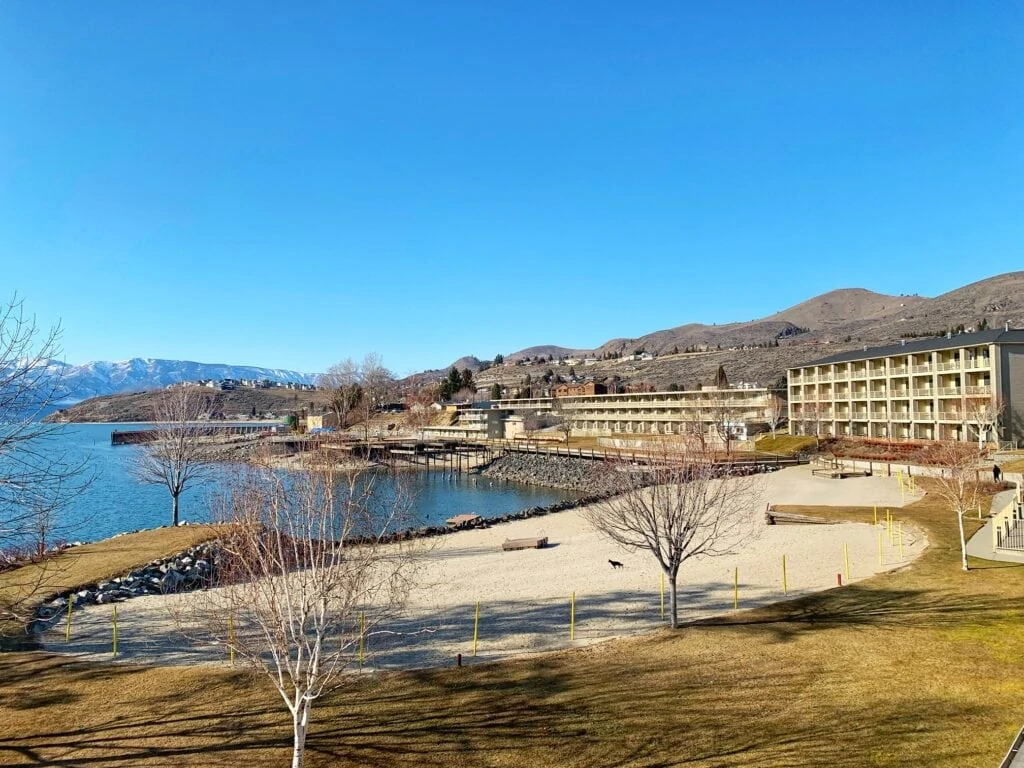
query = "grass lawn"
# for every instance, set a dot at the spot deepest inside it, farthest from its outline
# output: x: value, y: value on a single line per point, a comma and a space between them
x: 920, y: 666
x: 785, y: 444
x: 91, y: 563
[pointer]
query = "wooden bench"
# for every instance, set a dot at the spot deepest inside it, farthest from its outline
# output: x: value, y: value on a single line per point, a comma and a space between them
x: 530, y: 543
x: 837, y: 473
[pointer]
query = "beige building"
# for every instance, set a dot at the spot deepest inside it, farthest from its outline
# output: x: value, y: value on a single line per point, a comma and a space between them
x: 740, y: 411
x: 967, y: 386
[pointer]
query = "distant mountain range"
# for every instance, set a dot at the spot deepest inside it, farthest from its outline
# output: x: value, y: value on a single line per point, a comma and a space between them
x: 78, y: 382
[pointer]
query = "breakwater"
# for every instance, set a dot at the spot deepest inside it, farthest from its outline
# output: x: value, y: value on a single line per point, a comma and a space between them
x: 584, y: 475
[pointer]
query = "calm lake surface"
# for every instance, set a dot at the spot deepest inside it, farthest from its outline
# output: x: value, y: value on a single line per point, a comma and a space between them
x: 116, y: 502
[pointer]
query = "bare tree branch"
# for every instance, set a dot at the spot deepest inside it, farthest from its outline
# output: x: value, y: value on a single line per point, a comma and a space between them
x: 306, y: 572
x: 177, y: 457
x: 682, y: 506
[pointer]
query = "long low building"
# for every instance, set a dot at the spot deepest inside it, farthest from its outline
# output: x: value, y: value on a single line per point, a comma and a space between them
x: 968, y: 386
x: 738, y: 411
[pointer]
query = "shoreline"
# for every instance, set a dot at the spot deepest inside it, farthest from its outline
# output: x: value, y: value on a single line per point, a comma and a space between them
x: 524, y: 595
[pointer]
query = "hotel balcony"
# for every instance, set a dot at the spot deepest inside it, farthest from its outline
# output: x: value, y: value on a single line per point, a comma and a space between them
x: 951, y: 416
x: 950, y: 391
x: 924, y: 415
x: 953, y: 365
x: 922, y: 368
x: 923, y: 392
x: 978, y: 363
x: 900, y: 416
x: 982, y: 390
x: 899, y: 370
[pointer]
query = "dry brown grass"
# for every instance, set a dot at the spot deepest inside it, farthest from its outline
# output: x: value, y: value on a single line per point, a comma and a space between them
x: 784, y: 444
x: 1017, y: 465
x: 91, y: 563
x: 914, y: 667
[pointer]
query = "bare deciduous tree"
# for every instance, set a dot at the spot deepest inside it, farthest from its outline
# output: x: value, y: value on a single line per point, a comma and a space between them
x: 682, y: 506
x: 306, y: 574
x: 562, y: 417
x: 775, y: 412
x: 419, y: 413
x: 984, y: 416
x: 37, y: 477
x: 177, y: 458
x: 957, y: 484
x: 342, y: 382
x: 378, y: 386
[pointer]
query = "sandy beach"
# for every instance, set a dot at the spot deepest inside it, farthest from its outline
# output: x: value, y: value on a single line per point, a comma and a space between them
x: 525, y: 595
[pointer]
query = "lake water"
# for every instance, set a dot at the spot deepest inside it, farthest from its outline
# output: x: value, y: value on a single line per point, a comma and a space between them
x: 116, y: 502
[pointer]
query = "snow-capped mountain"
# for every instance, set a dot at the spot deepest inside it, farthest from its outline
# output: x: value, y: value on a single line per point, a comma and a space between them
x: 78, y: 382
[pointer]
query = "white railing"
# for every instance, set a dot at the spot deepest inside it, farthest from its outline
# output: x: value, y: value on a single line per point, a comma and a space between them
x: 922, y: 368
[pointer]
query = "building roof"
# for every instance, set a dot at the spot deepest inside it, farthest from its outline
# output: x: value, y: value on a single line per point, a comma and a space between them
x: 908, y: 347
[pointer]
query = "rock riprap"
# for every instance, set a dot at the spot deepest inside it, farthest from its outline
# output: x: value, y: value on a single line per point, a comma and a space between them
x: 564, y: 472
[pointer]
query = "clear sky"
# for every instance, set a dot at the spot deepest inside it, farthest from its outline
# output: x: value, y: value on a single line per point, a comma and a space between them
x: 289, y: 184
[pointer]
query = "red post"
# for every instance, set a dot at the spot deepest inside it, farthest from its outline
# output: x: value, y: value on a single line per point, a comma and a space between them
x: 839, y: 578
x: 458, y: 659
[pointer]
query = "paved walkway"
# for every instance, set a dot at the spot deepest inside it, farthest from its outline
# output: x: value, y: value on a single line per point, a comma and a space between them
x: 980, y: 544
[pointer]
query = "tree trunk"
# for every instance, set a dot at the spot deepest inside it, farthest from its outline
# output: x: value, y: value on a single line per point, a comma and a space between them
x: 672, y: 599
x: 300, y: 723
x: 174, y: 509
x: 963, y: 540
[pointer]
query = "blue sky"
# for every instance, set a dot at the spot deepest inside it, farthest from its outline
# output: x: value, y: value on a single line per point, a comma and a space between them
x: 259, y: 184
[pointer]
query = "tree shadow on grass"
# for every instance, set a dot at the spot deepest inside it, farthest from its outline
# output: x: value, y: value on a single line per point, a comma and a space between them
x: 873, y: 607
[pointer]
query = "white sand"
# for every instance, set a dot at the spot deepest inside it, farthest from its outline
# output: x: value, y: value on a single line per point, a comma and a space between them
x: 525, y: 595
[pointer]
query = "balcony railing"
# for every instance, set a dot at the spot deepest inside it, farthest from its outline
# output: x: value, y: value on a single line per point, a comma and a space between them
x: 950, y: 391
x: 877, y: 373
x: 901, y: 416
x: 922, y: 392
x: 922, y: 368
x: 824, y: 377
x: 859, y: 374
x: 952, y: 365
x: 982, y: 390
x: 899, y: 370
x: 879, y: 415
x: 950, y: 416
x: 924, y: 415
x: 978, y: 363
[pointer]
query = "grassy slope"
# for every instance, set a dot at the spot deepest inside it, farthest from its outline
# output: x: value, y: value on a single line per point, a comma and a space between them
x: 915, y: 667
x: 91, y: 563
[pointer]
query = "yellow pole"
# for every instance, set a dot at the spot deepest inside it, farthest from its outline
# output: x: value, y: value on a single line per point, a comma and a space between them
x: 879, y: 549
x: 67, y: 630
x: 115, y: 631
x: 891, y: 532
x: 476, y: 626
x: 785, y: 587
x: 736, y: 587
x: 846, y: 559
x: 231, y: 638
x: 572, y: 617
x: 901, y: 538
x: 662, y: 595
x: 362, y: 630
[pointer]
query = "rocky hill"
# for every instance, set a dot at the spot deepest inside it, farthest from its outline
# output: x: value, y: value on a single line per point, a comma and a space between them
x: 233, y: 405
x: 833, y: 322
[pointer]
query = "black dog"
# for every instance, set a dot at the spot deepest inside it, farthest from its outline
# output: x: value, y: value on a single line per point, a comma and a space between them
x: 615, y: 564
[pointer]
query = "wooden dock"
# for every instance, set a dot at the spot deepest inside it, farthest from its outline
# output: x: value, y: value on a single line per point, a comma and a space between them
x: 462, y: 520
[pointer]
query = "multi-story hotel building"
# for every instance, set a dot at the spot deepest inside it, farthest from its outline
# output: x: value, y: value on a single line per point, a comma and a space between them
x: 946, y: 388
x: 740, y: 411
